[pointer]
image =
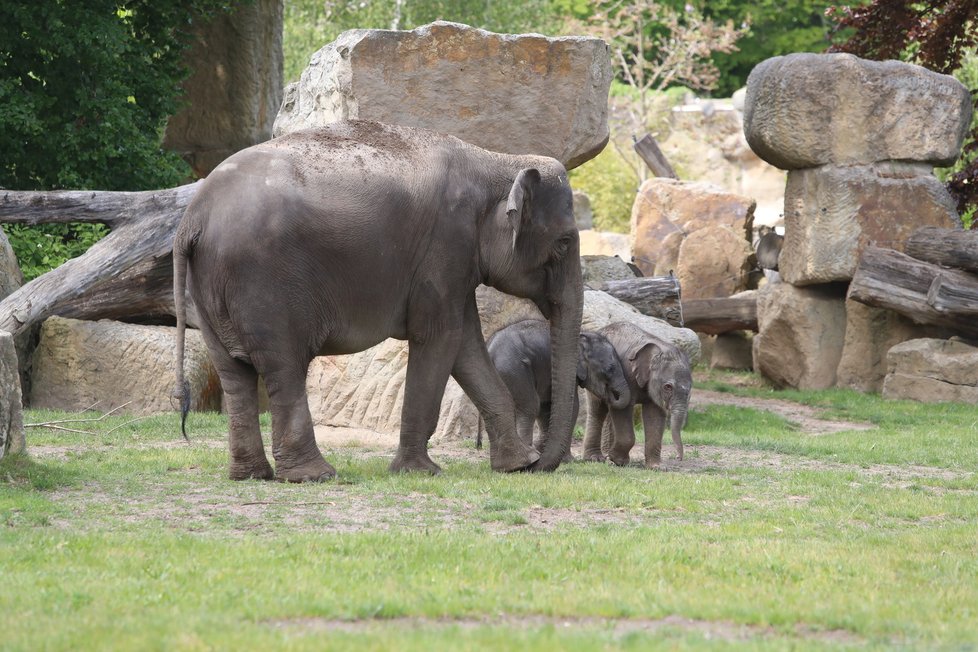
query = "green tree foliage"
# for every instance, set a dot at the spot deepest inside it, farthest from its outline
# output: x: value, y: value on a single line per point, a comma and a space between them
x: 85, y: 91
x: 941, y: 35
x: 776, y: 27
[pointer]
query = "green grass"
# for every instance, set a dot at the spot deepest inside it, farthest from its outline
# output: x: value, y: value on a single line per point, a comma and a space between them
x: 766, y: 537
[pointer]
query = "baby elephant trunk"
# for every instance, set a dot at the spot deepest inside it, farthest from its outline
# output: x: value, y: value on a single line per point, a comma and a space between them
x: 677, y: 420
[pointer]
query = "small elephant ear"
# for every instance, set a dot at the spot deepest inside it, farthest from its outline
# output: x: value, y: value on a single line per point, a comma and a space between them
x: 642, y: 360
x: 515, y: 206
x: 582, y: 358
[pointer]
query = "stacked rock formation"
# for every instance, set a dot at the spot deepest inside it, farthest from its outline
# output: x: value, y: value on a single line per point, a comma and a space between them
x: 860, y: 140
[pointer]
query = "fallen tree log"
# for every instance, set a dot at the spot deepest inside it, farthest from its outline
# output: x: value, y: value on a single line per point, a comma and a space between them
x: 126, y: 274
x: 721, y: 315
x: 948, y: 247
x: 924, y: 292
x: 656, y: 296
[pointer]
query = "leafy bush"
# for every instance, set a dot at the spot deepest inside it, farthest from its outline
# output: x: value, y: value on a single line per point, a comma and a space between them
x: 611, y: 185
x: 85, y: 92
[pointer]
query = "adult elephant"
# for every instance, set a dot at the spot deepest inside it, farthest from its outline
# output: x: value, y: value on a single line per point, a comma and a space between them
x: 328, y: 241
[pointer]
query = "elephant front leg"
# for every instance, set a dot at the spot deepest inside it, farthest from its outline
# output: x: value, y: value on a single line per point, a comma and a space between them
x: 543, y: 420
x: 624, y: 439
x: 597, y: 413
x: 654, y: 422
x: 428, y: 368
x: 479, y: 379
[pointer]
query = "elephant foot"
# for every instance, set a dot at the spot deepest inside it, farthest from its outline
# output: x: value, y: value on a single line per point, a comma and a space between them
x: 405, y: 462
x: 568, y: 458
x: 593, y: 457
x: 313, y: 470
x: 618, y: 460
x: 653, y: 465
x: 251, y: 470
x: 515, y: 457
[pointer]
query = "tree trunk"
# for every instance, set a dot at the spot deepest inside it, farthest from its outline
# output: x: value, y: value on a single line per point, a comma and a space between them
x: 656, y: 296
x: 948, y: 247
x: 649, y: 151
x: 716, y: 316
x: 924, y: 292
x: 126, y: 274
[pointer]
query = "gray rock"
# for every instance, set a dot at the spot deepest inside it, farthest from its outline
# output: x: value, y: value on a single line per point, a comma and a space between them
x: 598, y: 270
x: 78, y: 364
x: 833, y: 212
x: 870, y: 334
x: 801, y: 332
x: 11, y: 412
x: 733, y: 351
x: 932, y: 371
x: 516, y: 94
x: 805, y: 110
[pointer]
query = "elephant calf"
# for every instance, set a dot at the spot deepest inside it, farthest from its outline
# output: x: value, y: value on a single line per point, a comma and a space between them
x: 521, y: 355
x: 660, y: 380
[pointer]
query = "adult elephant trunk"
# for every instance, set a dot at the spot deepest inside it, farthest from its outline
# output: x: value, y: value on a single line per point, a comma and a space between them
x: 566, y: 308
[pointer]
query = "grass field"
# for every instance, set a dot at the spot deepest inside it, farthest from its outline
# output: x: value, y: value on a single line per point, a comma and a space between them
x: 772, y: 534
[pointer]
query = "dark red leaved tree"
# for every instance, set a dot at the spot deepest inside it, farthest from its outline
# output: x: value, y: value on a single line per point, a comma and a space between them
x: 936, y: 34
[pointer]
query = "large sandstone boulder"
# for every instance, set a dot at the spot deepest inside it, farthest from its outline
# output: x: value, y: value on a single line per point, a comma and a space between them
x: 11, y: 413
x: 801, y: 332
x: 235, y: 87
x: 517, y: 94
x: 805, y: 110
x: 932, y: 371
x: 714, y: 262
x: 666, y: 207
x: 78, y: 364
x: 833, y: 212
x: 870, y: 334
x: 366, y: 390
x: 605, y: 243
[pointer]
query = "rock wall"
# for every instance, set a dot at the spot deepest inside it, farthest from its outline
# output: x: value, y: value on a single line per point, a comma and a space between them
x: 859, y: 140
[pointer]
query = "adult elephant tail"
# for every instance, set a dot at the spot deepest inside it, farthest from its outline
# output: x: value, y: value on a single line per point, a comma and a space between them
x: 182, y: 249
x: 566, y: 309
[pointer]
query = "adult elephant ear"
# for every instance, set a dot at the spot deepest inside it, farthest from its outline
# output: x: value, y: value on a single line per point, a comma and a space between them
x: 517, y: 206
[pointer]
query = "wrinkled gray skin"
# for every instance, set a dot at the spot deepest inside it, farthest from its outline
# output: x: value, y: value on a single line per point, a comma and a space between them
x: 660, y: 380
x: 328, y: 241
x: 521, y: 354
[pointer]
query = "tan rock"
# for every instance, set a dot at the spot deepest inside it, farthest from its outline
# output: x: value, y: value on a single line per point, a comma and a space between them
x: 870, y: 333
x: 801, y: 332
x: 666, y: 206
x: 108, y: 364
x: 832, y: 213
x: 517, y: 94
x: 805, y: 110
x: 714, y: 261
x: 605, y: 243
x: 932, y: 371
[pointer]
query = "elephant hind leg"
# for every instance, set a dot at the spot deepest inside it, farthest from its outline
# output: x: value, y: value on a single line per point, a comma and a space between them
x: 239, y: 380
x: 297, y: 457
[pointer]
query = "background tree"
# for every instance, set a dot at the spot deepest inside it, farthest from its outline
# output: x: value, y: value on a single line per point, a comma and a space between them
x: 85, y: 91
x: 941, y: 35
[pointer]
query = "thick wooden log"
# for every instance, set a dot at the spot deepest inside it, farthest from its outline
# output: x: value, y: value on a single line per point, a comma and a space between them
x: 649, y: 151
x: 924, y: 292
x: 656, y: 296
x: 948, y: 247
x: 126, y: 274
x: 721, y: 315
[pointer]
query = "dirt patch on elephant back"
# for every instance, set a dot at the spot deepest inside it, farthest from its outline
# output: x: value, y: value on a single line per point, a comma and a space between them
x: 806, y: 418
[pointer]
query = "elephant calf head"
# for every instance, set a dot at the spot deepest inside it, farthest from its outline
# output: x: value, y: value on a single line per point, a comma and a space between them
x: 599, y: 370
